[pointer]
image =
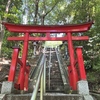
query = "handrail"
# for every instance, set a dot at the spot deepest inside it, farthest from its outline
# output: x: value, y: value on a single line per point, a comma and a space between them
x: 49, y: 67
x: 63, y: 74
x: 40, y: 77
x: 37, y: 64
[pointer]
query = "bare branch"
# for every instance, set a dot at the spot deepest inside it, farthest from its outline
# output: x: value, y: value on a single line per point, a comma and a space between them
x: 44, y: 13
x: 7, y: 8
x: 36, y: 10
x: 52, y: 7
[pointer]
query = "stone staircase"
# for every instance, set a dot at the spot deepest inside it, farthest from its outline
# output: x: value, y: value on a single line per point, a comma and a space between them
x: 47, y: 96
x: 56, y: 83
x: 56, y: 89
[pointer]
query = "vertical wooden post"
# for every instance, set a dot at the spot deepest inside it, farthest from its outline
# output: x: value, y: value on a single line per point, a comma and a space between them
x: 74, y: 75
x: 21, y: 79
x: 13, y: 64
x: 80, y: 63
x: 70, y: 76
x: 26, y: 77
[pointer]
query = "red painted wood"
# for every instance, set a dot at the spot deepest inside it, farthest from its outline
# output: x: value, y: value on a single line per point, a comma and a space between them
x: 70, y: 76
x: 13, y: 64
x: 24, y: 58
x: 80, y: 63
x: 47, y: 28
x: 74, y: 73
x: 27, y: 29
x: 26, y: 78
x: 20, y: 62
x: 74, y: 38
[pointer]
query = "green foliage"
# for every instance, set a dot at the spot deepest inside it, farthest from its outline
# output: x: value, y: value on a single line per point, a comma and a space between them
x: 7, y: 46
x: 13, y: 17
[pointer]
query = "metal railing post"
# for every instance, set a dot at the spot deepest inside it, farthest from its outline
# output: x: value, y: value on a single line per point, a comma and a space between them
x: 49, y: 68
x: 64, y: 74
x: 34, y: 94
x: 41, y: 87
x: 44, y: 76
x: 40, y: 80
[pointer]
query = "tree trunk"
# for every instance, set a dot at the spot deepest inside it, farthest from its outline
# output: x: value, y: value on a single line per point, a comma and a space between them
x: 36, y: 11
x: 2, y: 27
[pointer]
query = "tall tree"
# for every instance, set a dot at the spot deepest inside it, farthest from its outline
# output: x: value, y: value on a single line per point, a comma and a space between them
x: 8, y: 13
x: 2, y: 27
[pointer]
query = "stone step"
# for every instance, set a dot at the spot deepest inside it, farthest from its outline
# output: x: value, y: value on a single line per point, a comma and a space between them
x: 56, y: 82
x: 47, y: 96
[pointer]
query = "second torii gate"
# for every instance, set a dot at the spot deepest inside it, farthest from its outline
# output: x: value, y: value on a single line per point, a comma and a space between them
x: 74, y: 76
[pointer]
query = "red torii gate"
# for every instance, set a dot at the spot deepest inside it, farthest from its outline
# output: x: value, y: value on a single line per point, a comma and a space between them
x: 74, y: 76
